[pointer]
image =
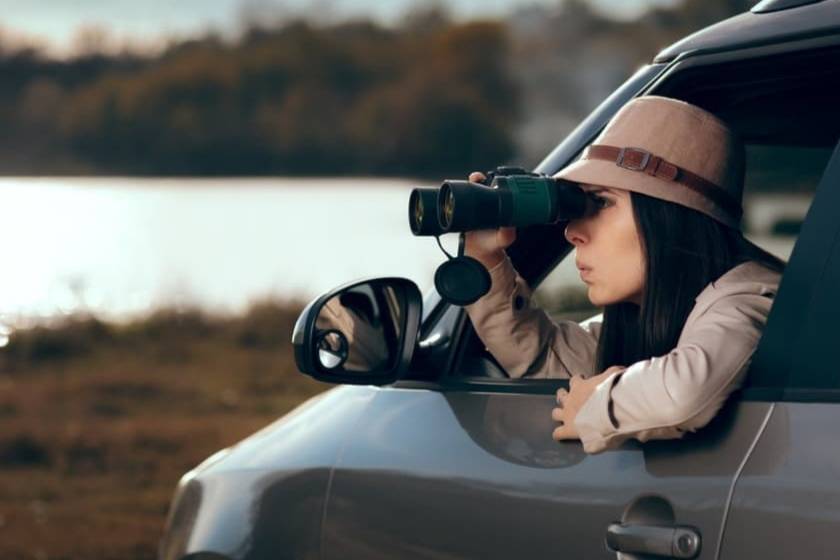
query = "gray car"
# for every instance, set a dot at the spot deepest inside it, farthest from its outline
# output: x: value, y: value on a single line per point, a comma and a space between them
x: 428, y: 450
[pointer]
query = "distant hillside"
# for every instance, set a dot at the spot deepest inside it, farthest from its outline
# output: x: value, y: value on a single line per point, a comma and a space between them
x: 428, y: 98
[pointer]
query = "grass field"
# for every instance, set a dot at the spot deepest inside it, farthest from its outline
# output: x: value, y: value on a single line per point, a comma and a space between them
x: 99, y: 421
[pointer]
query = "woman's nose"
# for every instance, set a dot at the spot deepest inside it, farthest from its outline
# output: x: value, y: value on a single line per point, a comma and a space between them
x: 574, y: 233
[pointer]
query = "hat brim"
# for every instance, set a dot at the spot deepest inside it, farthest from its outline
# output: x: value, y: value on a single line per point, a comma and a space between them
x: 608, y: 174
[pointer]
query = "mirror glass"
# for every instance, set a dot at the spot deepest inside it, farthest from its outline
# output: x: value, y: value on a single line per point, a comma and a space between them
x: 332, y: 348
x: 358, y: 330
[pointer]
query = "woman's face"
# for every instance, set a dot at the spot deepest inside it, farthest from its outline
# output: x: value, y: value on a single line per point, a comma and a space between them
x: 608, y: 248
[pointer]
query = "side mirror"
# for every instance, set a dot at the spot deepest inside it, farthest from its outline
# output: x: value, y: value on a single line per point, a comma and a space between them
x: 363, y: 333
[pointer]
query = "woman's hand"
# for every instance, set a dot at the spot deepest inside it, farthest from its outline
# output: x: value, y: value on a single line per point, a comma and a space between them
x: 487, y: 246
x: 572, y: 401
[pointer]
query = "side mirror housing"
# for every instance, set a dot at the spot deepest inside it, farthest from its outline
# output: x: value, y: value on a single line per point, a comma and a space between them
x: 362, y: 333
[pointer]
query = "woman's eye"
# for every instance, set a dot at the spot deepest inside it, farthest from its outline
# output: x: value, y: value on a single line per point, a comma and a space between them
x: 599, y: 202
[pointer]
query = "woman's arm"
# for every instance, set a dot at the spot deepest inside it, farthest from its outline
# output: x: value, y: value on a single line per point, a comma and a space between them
x: 525, y: 340
x: 666, y: 396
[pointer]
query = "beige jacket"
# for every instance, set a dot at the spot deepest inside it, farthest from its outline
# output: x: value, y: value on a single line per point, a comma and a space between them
x: 659, y: 398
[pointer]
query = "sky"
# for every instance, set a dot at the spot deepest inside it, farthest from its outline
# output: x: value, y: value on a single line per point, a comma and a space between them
x: 56, y: 24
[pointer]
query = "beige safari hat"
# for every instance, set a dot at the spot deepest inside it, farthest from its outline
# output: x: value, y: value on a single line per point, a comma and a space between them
x: 668, y: 149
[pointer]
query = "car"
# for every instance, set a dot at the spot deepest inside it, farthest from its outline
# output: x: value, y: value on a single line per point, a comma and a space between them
x: 436, y: 453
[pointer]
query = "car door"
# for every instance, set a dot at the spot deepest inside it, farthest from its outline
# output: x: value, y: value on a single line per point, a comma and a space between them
x: 787, y: 499
x: 465, y: 467
x: 471, y: 471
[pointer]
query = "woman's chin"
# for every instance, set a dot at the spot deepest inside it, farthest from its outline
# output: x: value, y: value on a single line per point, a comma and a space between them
x: 595, y: 298
x: 600, y: 299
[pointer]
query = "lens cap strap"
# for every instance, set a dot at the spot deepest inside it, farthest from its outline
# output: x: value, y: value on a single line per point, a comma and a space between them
x: 445, y: 252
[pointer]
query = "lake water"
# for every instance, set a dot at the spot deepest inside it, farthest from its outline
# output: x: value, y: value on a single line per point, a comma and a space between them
x: 120, y: 247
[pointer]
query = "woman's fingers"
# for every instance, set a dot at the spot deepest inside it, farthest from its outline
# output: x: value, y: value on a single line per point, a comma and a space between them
x: 488, y: 245
x: 562, y: 414
x: 565, y: 431
x: 505, y: 236
x: 559, y: 414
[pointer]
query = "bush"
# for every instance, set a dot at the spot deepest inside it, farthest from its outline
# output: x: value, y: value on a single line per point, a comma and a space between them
x: 70, y: 338
x: 23, y: 451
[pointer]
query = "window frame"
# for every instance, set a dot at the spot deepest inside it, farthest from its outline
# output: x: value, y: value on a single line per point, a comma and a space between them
x: 462, y: 334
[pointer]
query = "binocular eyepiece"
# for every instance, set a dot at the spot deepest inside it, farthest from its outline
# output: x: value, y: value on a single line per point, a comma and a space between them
x: 511, y: 197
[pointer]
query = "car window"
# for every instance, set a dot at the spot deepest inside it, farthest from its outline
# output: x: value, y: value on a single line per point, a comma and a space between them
x: 815, y: 368
x: 796, y: 357
x: 782, y: 104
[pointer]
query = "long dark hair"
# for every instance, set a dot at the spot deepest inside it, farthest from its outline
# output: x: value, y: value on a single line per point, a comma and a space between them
x: 684, y: 250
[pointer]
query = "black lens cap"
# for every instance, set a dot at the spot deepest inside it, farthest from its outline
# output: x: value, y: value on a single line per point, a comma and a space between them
x: 462, y: 280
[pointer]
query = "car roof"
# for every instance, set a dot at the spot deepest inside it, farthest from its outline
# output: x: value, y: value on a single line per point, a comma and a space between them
x: 753, y: 29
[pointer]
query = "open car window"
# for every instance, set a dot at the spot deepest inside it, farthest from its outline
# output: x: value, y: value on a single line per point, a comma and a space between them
x: 784, y: 108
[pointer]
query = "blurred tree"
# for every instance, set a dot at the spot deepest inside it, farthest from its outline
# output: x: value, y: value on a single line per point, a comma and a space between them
x: 348, y: 98
x: 426, y: 97
x: 91, y: 40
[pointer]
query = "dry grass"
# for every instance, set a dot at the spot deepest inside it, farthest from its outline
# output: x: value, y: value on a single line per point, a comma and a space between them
x: 98, y: 421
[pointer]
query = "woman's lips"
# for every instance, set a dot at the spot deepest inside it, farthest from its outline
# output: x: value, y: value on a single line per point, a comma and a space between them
x: 585, y: 271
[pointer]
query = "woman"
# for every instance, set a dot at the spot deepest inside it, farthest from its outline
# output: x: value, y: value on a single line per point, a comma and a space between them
x: 685, y: 296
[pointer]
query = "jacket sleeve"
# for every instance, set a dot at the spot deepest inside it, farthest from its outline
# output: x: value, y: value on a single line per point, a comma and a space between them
x: 524, y: 339
x: 665, y: 396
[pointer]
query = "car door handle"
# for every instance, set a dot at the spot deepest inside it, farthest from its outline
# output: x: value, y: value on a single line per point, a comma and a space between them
x: 668, y: 541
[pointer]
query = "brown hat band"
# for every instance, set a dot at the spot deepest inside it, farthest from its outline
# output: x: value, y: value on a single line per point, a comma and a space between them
x: 637, y: 159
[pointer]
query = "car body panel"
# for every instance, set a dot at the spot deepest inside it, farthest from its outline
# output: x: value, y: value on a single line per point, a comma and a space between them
x: 787, y: 500
x: 750, y: 30
x: 439, y: 474
x: 268, y: 492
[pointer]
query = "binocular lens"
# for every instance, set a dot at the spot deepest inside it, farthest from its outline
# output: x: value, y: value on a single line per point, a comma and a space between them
x: 448, y: 209
x: 422, y: 215
x: 418, y: 210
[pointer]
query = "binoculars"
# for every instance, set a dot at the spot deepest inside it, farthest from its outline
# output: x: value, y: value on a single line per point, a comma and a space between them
x: 509, y: 197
